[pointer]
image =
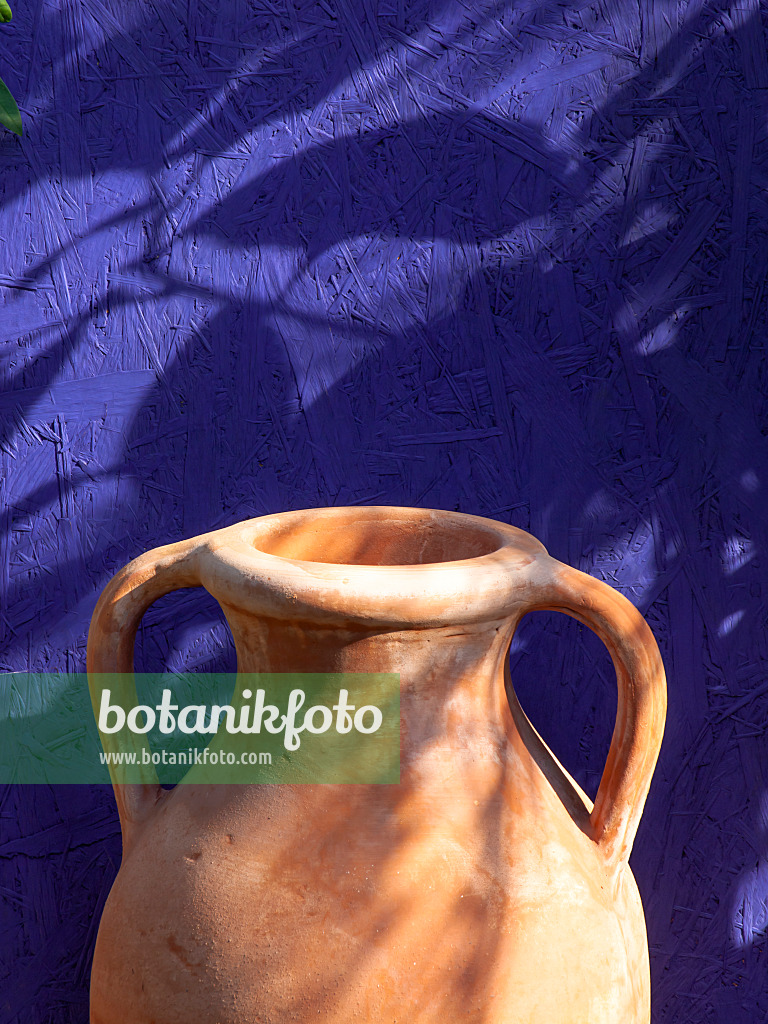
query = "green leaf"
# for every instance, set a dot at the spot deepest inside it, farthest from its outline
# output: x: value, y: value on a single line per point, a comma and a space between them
x: 5, y: 11
x: 9, y: 112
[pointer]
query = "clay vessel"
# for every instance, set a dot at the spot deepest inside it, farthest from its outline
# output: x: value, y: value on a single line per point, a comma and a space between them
x: 484, y: 887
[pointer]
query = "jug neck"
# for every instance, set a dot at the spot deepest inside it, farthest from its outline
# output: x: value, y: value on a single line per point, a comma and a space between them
x: 450, y: 677
x: 266, y: 644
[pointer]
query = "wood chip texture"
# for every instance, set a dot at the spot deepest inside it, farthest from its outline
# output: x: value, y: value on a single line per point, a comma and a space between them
x: 503, y: 257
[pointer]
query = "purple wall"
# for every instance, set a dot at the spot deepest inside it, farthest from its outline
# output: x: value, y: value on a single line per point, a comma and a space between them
x: 507, y: 258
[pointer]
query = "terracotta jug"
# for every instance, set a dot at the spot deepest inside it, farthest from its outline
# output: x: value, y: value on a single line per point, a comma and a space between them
x: 484, y: 887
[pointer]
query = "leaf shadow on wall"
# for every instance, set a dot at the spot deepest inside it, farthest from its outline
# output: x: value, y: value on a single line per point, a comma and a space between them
x: 365, y: 337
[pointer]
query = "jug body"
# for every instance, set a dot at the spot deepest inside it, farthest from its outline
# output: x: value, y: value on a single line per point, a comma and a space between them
x: 484, y: 886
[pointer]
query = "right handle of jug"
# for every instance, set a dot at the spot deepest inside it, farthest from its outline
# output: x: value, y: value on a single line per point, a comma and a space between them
x: 642, y: 699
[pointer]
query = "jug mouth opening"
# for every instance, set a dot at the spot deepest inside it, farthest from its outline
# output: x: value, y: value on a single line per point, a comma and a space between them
x: 375, y: 536
x: 371, y: 565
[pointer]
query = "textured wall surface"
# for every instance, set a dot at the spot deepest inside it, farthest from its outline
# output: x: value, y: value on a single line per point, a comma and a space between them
x: 507, y: 258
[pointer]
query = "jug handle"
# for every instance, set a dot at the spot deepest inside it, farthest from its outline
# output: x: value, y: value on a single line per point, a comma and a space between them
x: 642, y: 700
x: 111, y: 638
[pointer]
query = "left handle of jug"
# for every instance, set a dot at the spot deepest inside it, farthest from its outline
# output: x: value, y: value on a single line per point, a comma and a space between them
x: 111, y: 639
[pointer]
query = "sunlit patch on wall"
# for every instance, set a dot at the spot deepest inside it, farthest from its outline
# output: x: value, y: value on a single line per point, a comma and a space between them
x: 630, y: 563
x: 653, y: 219
x: 749, y: 919
x: 749, y: 481
x: 730, y: 622
x: 736, y: 553
x: 662, y: 336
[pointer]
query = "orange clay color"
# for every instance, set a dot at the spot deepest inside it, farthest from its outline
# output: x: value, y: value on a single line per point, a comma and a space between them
x: 483, y: 888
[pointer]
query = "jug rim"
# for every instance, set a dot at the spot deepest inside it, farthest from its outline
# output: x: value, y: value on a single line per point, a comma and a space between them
x: 236, y: 568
